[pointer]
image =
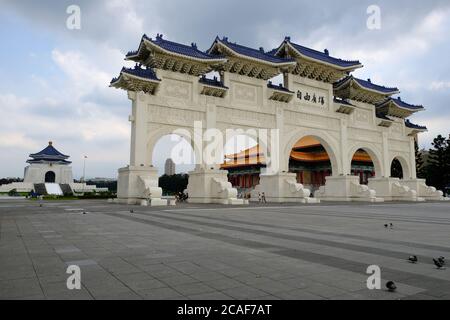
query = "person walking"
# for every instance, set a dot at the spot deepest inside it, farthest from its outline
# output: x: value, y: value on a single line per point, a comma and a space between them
x: 263, y: 198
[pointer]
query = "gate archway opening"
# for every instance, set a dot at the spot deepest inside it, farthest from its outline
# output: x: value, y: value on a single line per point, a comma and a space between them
x: 174, y: 157
x: 362, y: 166
x: 396, y: 169
x: 310, y: 162
x: 243, y: 159
x: 50, y: 177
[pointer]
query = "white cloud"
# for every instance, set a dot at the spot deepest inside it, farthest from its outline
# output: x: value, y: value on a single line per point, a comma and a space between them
x: 436, y: 126
x: 439, y: 85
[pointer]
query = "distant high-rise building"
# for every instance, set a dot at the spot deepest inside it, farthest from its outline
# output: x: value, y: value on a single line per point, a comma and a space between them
x: 169, y: 167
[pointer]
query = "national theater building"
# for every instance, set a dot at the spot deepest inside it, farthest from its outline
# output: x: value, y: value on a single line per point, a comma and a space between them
x: 339, y: 136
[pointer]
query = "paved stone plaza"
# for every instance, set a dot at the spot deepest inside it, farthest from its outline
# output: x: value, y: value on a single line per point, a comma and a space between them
x: 216, y: 252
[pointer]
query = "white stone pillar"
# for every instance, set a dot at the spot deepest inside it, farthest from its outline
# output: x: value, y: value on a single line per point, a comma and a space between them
x: 277, y: 144
x: 139, y: 119
x: 346, y: 162
x: 412, y: 159
x: 385, y: 165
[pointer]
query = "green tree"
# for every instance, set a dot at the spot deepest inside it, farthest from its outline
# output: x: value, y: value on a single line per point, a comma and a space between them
x: 438, y: 169
x: 420, y: 170
x: 173, y: 184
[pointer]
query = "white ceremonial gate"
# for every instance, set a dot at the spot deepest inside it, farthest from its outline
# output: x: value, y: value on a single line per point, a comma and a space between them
x: 318, y: 98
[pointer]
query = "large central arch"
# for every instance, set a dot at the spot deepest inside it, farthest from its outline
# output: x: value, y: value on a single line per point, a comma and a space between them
x: 327, y: 141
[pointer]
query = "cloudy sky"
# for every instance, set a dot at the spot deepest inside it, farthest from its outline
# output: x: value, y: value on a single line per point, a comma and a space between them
x: 54, y: 81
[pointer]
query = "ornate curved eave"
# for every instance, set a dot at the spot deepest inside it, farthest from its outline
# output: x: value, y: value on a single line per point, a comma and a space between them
x: 211, y: 90
x: 384, y: 122
x: 344, y: 108
x: 301, y: 56
x: 134, y: 83
x: 351, y: 89
x: 291, y: 51
x: 250, y: 69
x: 248, y: 66
x: 357, y: 93
x: 178, y: 63
x: 41, y: 161
x: 316, y: 71
x: 154, y: 56
x: 281, y: 96
x: 393, y: 110
x: 413, y: 131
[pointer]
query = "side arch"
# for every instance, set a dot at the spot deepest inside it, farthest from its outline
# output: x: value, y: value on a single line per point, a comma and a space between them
x: 404, y: 163
x: 374, y: 153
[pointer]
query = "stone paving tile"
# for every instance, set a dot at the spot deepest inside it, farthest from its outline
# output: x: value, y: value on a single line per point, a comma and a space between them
x: 19, y: 288
x: 165, y: 293
x: 140, y: 281
x: 244, y: 292
x: 192, y: 288
x: 298, y: 294
x: 291, y: 252
x: 223, y: 284
x: 178, y: 280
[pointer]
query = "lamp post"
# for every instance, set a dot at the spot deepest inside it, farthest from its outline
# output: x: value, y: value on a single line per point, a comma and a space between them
x: 84, y: 169
x: 84, y: 172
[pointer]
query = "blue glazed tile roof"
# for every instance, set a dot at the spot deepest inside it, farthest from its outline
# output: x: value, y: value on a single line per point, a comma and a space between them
x: 279, y: 87
x: 178, y: 48
x: 49, y: 153
x: 250, y: 52
x: 212, y: 82
x: 414, y: 126
x: 368, y: 85
x: 318, y: 55
x: 40, y: 160
x: 401, y: 104
x: 138, y: 72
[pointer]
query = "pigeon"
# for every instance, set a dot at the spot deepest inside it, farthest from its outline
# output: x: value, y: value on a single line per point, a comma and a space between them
x: 391, y: 225
x: 441, y: 259
x: 390, y: 285
x: 84, y: 212
x: 438, y: 264
x: 131, y: 211
x: 386, y: 226
x: 413, y: 259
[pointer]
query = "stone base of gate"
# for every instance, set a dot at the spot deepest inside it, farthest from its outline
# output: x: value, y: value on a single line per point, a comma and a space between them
x: 346, y: 188
x: 424, y: 191
x: 282, y: 187
x: 139, y: 185
x: 393, y: 189
x: 211, y: 186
